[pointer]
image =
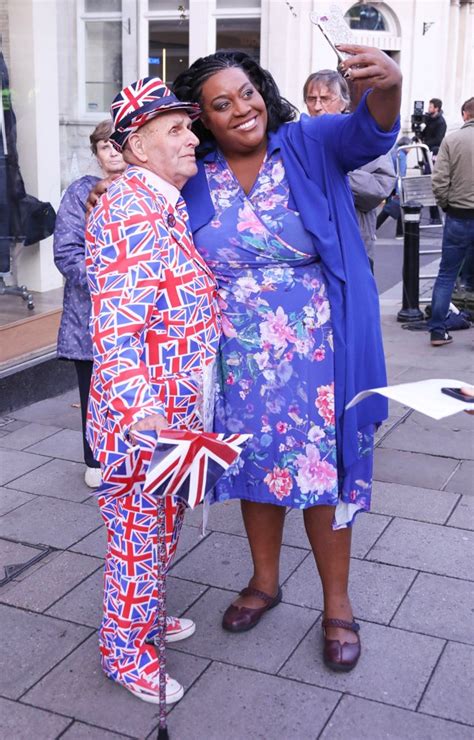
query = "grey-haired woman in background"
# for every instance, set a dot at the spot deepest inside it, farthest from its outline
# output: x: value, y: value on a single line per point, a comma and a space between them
x: 74, y: 340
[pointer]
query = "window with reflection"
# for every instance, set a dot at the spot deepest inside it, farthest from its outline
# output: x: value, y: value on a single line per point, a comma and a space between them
x: 102, y: 6
x: 168, y: 48
x: 365, y: 18
x: 241, y: 34
x: 179, y: 6
x: 103, y: 62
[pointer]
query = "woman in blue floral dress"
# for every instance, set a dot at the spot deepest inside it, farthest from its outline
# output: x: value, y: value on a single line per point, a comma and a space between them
x: 272, y: 214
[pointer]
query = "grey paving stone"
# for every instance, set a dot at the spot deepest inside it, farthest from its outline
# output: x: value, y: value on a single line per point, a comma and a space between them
x: 84, y: 603
x: 411, y: 502
x: 250, y: 705
x: 421, y: 434
x: 394, y: 666
x: 224, y: 561
x: 225, y: 517
x: 439, y: 606
x: 15, y: 553
x: 11, y: 499
x: 189, y: 538
x: 376, y: 590
x: 58, y: 478
x: 94, y: 543
x: 13, y: 464
x: 428, y: 547
x: 53, y: 410
x: 412, y: 468
x: 77, y: 687
x: 463, y: 479
x: 359, y: 718
x: 66, y: 444
x: 20, y: 722
x: 449, y: 693
x: 9, y: 424
x: 366, y: 530
x: 49, y: 522
x: 80, y: 731
x: 264, y: 648
x: 27, y: 436
x: 55, y: 575
x: 463, y: 514
x: 47, y: 639
x: 181, y: 594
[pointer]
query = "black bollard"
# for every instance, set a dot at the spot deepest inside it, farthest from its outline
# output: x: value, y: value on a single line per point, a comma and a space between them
x: 411, y: 264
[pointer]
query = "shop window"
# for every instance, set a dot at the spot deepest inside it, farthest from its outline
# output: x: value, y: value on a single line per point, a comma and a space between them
x: 168, y: 48
x: 365, y: 18
x: 173, y: 6
x: 236, y: 5
x: 242, y: 34
x: 103, y: 56
x: 100, y: 48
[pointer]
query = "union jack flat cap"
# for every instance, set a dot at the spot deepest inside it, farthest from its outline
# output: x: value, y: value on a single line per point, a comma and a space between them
x: 141, y: 101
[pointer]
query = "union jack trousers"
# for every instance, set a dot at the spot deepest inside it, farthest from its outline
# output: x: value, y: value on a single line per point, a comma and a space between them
x: 155, y: 330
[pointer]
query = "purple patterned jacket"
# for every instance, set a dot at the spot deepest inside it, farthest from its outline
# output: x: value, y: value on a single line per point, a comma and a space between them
x: 74, y: 339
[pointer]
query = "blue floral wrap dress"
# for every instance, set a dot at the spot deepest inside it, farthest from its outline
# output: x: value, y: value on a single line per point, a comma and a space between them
x: 276, y: 359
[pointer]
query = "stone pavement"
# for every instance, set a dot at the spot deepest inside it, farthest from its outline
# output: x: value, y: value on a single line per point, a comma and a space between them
x: 411, y: 586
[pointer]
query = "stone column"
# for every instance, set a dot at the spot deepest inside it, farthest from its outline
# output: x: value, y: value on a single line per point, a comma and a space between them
x: 34, y: 83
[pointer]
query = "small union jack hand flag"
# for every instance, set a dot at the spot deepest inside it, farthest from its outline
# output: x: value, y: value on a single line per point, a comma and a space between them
x: 188, y: 464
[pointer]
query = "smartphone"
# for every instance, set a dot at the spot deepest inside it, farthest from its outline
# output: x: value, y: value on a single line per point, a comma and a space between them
x: 334, y: 29
x: 456, y: 393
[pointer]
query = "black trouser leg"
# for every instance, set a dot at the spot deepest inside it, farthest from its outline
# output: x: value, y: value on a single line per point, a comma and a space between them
x: 84, y: 374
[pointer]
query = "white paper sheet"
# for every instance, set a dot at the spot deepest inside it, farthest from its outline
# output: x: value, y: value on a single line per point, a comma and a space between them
x: 424, y: 396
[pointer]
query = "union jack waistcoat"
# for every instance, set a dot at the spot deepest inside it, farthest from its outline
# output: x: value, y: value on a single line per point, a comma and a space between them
x: 154, y: 322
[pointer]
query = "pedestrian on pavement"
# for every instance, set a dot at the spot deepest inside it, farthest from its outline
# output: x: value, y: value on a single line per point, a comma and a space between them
x: 273, y: 215
x: 154, y: 331
x: 432, y: 135
x: 327, y: 91
x: 74, y: 339
x: 453, y: 187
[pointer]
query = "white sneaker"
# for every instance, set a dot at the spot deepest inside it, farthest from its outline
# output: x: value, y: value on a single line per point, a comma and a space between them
x: 149, y: 689
x: 93, y: 477
x: 177, y: 628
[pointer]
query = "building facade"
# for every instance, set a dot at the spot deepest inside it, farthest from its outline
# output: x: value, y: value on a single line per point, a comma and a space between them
x: 68, y: 58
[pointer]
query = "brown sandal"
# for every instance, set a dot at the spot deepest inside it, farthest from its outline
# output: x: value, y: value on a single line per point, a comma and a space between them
x: 341, y: 656
x: 241, y: 618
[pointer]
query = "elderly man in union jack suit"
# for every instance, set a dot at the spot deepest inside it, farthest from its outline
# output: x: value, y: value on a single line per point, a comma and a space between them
x: 155, y: 333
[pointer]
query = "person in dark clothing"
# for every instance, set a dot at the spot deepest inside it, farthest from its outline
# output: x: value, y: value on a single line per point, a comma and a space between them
x: 435, y: 126
x: 74, y: 339
x: 432, y: 135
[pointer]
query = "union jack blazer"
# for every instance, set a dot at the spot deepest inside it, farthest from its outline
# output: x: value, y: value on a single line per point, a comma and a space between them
x: 154, y: 318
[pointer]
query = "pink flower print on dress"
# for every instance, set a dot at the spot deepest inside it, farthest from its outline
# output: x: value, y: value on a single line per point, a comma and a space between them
x: 315, y: 475
x: 228, y: 329
x: 275, y: 330
x: 279, y: 482
x: 325, y: 403
x: 248, y: 221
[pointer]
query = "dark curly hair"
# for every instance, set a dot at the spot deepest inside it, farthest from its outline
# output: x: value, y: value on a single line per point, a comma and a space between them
x: 188, y: 87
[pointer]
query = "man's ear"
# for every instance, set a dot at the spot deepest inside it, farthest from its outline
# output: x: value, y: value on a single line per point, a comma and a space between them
x: 136, y: 144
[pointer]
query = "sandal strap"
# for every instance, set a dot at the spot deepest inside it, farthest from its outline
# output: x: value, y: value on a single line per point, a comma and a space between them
x: 352, y: 626
x: 250, y: 591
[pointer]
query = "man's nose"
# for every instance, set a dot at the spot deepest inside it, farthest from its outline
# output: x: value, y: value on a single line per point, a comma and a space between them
x: 193, y: 140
